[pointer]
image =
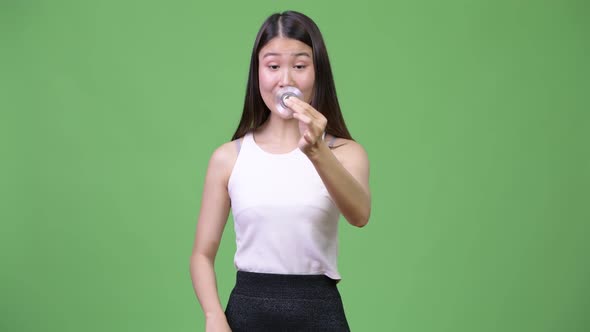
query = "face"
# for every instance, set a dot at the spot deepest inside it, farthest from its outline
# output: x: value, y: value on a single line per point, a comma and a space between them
x: 285, y: 62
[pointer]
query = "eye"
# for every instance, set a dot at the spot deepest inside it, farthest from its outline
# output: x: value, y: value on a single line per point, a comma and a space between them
x: 273, y: 67
x: 300, y: 66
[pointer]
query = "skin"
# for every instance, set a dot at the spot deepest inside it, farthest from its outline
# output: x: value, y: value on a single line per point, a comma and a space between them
x: 343, y: 169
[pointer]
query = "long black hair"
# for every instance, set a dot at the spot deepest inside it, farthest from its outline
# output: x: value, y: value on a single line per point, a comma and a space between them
x: 295, y: 25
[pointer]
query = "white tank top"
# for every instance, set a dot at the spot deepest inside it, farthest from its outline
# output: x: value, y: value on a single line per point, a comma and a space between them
x: 284, y: 218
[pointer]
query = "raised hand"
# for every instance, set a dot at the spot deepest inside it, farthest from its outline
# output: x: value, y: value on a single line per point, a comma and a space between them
x: 312, y: 124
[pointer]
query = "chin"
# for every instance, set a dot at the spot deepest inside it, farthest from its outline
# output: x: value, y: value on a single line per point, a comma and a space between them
x: 285, y: 116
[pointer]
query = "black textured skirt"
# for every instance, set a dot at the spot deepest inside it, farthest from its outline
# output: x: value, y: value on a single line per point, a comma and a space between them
x: 285, y: 302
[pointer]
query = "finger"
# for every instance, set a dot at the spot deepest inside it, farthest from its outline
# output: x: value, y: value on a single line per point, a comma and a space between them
x: 309, y: 137
x: 303, y: 118
x: 299, y: 106
x: 317, y: 126
x: 314, y: 133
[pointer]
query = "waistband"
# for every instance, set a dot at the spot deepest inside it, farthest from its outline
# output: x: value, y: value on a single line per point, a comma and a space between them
x: 292, y: 286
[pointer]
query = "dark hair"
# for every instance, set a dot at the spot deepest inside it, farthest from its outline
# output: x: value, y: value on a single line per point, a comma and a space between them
x: 295, y: 25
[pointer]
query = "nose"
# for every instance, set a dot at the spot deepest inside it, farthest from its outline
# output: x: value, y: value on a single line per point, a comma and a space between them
x: 286, y: 77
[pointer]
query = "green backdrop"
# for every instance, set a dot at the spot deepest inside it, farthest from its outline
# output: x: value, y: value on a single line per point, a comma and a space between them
x: 474, y: 115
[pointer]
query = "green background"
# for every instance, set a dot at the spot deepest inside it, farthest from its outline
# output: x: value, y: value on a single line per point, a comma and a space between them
x: 474, y: 115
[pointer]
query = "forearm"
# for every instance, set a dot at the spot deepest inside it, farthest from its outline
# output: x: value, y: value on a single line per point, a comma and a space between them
x: 205, y: 285
x: 350, y: 197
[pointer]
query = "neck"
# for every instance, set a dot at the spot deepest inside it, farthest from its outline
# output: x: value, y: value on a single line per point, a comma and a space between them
x: 279, y: 131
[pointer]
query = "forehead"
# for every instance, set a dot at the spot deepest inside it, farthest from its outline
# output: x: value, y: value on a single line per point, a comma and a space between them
x: 280, y: 46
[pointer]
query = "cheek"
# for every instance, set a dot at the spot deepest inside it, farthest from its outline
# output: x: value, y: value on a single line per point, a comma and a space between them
x: 310, y: 82
x: 307, y: 79
x: 265, y: 86
x: 266, y: 79
x: 308, y: 85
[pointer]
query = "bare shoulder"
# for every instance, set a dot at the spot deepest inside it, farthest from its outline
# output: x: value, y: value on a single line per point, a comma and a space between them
x: 353, y: 157
x: 225, y: 154
x: 349, y: 150
x: 223, y: 159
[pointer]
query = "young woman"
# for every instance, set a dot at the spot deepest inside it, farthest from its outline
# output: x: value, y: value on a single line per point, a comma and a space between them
x: 287, y: 175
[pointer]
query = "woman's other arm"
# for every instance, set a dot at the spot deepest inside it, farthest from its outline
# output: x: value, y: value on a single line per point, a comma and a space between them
x: 345, y: 173
x: 215, y: 205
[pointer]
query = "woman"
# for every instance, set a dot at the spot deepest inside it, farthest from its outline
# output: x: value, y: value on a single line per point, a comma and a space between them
x: 288, y: 174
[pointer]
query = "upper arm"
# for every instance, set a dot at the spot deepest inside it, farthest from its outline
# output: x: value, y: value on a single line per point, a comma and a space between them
x: 215, y: 201
x: 355, y: 160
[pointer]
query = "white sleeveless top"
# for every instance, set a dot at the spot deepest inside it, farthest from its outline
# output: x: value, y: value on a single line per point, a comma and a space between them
x: 285, y: 220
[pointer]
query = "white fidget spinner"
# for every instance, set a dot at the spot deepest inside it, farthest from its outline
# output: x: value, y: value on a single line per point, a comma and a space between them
x: 282, y: 94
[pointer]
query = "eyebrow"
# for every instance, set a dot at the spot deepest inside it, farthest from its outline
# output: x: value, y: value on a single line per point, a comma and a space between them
x: 293, y: 54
